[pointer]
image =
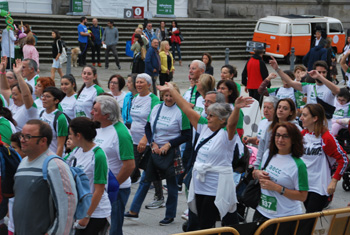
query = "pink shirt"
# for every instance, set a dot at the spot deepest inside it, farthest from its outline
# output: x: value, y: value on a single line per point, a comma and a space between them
x: 30, y: 52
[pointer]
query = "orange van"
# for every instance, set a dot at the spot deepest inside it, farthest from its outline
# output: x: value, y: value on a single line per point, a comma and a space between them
x: 281, y: 33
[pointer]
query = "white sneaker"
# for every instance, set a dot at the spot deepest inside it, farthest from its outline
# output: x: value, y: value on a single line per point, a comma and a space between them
x: 184, y: 216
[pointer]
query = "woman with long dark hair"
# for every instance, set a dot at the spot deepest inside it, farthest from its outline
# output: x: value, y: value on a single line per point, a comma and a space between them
x: 138, y: 65
x: 206, y: 58
x: 88, y: 92
x: 69, y: 87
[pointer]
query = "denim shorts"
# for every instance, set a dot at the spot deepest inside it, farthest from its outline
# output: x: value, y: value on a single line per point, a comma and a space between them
x: 56, y: 64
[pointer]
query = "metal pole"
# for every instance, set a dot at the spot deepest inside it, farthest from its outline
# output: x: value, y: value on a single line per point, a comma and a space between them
x: 9, y: 38
x: 292, y: 58
x: 69, y: 52
x: 227, y: 55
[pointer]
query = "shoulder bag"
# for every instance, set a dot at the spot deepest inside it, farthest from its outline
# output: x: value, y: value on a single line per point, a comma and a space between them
x: 251, y: 194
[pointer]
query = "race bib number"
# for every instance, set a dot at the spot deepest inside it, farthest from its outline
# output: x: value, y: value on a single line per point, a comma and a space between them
x: 268, y: 203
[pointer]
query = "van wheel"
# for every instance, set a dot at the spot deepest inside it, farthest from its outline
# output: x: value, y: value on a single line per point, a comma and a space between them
x: 287, y: 59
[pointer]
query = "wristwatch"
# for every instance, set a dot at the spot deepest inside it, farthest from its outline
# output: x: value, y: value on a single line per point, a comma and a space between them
x: 88, y: 216
x: 283, y: 190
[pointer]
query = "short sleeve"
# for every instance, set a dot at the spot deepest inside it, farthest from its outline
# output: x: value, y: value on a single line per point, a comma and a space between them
x: 126, y: 149
x: 62, y: 125
x: 101, y: 167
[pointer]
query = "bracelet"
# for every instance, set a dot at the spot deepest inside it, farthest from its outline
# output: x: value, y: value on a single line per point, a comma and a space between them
x: 88, y: 216
x: 278, y: 69
x: 283, y: 190
x: 169, y: 144
x: 2, y: 72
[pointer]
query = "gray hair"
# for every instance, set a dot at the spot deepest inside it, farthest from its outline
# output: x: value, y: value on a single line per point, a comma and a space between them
x: 200, y: 64
x: 32, y: 64
x: 146, y: 77
x: 110, y: 106
x: 221, y: 110
x: 271, y: 99
x: 220, y: 98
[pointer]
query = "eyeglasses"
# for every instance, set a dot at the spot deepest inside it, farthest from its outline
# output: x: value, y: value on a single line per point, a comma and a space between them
x: 46, y: 97
x: 208, y: 102
x: 28, y: 137
x: 114, y: 83
x: 277, y: 136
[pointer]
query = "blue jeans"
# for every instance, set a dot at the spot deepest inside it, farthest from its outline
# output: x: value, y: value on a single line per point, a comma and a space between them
x: 173, y: 45
x: 171, y: 203
x: 118, y: 209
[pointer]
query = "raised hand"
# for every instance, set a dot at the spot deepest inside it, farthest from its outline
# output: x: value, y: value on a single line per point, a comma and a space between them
x: 243, y: 102
x: 273, y: 63
x: 17, y: 68
x: 166, y: 87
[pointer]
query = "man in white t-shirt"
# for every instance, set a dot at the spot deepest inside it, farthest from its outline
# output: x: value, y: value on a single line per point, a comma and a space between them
x: 29, y: 72
x: 114, y: 138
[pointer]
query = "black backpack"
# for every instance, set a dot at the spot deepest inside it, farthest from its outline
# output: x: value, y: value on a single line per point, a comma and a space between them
x: 57, y: 114
x: 10, y: 160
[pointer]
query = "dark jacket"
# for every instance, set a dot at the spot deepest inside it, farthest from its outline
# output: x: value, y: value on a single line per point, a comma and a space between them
x: 152, y: 61
x: 314, y: 55
x: 98, y: 33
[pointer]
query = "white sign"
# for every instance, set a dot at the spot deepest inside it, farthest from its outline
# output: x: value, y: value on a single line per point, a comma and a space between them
x: 114, y: 8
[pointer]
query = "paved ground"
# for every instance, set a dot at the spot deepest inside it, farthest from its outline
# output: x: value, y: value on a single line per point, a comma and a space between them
x: 149, y: 219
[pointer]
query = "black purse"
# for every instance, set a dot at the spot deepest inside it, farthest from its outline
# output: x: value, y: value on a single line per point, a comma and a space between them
x: 251, y: 195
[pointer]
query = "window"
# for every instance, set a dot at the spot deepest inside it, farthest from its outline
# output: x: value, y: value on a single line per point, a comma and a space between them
x: 335, y: 28
x: 301, y: 29
x: 268, y: 28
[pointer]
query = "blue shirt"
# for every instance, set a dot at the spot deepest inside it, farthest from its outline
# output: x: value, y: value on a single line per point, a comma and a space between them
x: 127, y: 107
x: 82, y: 28
x: 98, y: 33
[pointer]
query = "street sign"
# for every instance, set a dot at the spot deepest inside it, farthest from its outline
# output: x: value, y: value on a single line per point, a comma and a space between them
x: 165, y: 7
x: 138, y: 12
x: 128, y: 13
x: 77, y: 5
x: 4, y: 6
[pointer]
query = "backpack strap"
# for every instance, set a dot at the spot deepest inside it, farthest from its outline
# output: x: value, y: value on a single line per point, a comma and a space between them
x: 41, y: 113
x: 57, y: 114
x: 46, y: 163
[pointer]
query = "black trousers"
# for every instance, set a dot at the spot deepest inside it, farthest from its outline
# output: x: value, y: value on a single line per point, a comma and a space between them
x: 82, y: 56
x: 96, y: 49
x: 94, y: 226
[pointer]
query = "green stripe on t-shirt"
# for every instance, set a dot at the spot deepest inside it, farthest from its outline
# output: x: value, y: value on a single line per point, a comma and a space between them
x: 5, y: 130
x: 154, y: 100
x: 126, y: 149
x: 101, y: 166
x: 99, y: 89
x: 202, y: 120
x: 62, y: 125
x: 185, y: 122
x: 302, y: 174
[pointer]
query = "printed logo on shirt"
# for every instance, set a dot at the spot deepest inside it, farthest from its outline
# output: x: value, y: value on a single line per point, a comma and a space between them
x: 339, y: 112
x: 314, y: 150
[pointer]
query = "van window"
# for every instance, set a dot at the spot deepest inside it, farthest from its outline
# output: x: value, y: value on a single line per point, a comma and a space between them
x: 301, y: 29
x: 335, y: 28
x: 268, y: 28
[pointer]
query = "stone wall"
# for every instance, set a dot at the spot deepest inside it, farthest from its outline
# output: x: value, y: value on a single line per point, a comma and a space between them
x: 256, y: 9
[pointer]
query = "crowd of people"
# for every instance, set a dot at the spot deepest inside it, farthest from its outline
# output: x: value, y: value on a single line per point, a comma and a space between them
x: 190, y: 140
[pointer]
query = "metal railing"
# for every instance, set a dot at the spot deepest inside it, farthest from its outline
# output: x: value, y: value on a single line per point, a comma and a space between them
x: 211, y: 231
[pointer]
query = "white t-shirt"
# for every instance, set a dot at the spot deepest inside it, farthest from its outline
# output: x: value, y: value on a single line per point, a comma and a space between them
x: 323, y: 92
x: 86, y: 99
x: 4, y: 102
x: 68, y: 105
x: 341, y: 111
x: 199, y: 106
x: 39, y: 105
x: 22, y: 115
x: 187, y: 94
x: 33, y: 83
x: 94, y: 163
x: 116, y: 141
x: 282, y: 92
x: 218, y: 151
x: 140, y: 110
x: 170, y: 123
x: 119, y: 98
x: 317, y: 165
x: 288, y: 172
x: 262, y: 127
x: 61, y: 127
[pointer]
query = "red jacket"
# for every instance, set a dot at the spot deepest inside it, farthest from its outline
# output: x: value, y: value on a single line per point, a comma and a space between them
x: 254, y: 73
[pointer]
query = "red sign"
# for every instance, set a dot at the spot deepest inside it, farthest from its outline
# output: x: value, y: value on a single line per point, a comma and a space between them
x: 138, y: 12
